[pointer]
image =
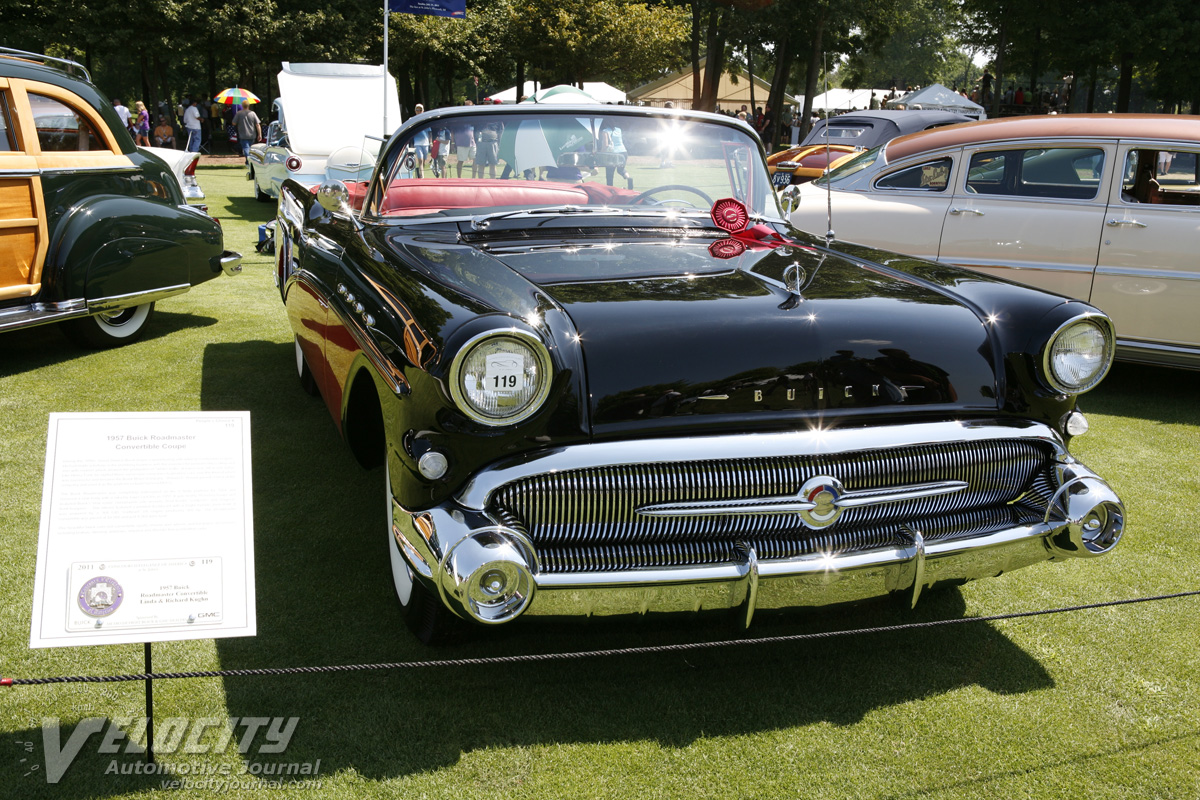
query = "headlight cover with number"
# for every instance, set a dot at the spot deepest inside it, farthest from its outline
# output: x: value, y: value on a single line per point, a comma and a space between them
x: 501, y: 378
x: 1079, y: 354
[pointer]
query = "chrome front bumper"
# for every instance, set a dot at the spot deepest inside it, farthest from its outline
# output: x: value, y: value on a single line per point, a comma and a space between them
x: 458, y: 547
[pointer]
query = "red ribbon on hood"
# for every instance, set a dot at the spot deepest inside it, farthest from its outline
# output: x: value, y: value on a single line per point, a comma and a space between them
x: 731, y: 214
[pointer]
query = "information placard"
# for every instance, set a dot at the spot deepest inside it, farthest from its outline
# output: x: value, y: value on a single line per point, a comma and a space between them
x: 147, y: 529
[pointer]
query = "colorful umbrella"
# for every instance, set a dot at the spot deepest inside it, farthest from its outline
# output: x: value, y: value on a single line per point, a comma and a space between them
x: 236, y: 96
x: 560, y: 94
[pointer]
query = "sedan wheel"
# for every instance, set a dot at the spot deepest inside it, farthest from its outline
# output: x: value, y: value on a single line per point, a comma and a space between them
x: 112, y: 329
x: 259, y: 194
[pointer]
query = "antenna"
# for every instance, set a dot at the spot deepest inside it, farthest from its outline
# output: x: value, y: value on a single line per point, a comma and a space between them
x: 828, y: 191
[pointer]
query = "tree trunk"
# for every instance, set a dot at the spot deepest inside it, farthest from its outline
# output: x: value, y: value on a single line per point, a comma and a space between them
x: 715, y: 64
x: 783, y: 74
x: 810, y: 80
x: 1125, y: 84
x: 998, y: 92
x: 695, y: 45
x: 750, y: 72
x: 520, y: 79
x: 1091, y: 97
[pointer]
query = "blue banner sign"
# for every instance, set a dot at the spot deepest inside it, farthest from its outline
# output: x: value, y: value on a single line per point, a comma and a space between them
x: 430, y: 8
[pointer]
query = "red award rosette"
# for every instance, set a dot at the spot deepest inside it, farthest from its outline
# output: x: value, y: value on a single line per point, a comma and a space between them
x: 726, y: 248
x: 731, y: 215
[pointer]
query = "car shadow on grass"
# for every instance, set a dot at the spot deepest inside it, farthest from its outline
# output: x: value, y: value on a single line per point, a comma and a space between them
x: 324, y: 597
x: 1162, y: 394
x: 30, y: 349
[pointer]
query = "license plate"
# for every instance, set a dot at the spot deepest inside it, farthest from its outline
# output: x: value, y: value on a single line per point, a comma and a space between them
x: 781, y: 179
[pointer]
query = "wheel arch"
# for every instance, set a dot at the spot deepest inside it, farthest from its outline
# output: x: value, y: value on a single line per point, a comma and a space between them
x: 362, y: 417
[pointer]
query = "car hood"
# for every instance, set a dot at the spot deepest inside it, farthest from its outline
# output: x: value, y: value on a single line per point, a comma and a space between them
x: 670, y: 331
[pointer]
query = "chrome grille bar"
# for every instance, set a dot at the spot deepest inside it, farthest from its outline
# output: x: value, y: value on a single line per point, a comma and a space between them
x: 598, y: 505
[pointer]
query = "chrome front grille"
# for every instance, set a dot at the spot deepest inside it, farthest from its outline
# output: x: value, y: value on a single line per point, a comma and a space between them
x: 587, y: 520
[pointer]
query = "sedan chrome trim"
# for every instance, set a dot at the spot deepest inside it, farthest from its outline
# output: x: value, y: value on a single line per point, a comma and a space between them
x: 100, y: 305
x: 477, y: 493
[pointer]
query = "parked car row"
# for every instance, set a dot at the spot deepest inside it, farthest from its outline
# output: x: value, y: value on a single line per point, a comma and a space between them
x: 834, y: 140
x: 1102, y: 208
x: 594, y: 399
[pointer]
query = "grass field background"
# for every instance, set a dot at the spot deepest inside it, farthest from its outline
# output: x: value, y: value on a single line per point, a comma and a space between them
x: 1095, y: 704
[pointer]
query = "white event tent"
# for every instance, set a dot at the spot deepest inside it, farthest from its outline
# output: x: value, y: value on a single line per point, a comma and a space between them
x: 846, y: 99
x: 603, y: 92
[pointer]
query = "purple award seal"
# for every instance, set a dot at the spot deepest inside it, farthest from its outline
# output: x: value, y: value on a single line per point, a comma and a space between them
x: 100, y: 596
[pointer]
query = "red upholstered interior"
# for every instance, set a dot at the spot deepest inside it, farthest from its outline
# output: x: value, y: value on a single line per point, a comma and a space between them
x: 422, y: 196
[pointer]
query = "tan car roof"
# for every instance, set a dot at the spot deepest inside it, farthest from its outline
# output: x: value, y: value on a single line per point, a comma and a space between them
x: 1116, y: 126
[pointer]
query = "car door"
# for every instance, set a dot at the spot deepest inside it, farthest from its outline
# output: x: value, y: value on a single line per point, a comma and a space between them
x: 22, y: 209
x: 902, y: 211
x: 1148, y: 279
x: 1031, y: 213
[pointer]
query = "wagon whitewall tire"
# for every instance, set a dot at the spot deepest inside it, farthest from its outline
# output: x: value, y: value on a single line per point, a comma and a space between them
x: 111, y: 329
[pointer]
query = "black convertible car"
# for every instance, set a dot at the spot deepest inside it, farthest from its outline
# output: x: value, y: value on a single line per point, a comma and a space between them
x: 606, y: 382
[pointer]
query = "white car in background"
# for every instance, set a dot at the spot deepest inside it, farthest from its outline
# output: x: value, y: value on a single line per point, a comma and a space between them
x: 327, y: 115
x: 183, y: 164
x: 1102, y: 208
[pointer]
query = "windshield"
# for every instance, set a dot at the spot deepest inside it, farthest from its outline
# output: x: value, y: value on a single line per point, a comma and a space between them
x: 851, y: 167
x: 487, y: 163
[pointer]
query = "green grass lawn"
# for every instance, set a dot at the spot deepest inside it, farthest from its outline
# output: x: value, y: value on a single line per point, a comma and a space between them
x: 1096, y: 704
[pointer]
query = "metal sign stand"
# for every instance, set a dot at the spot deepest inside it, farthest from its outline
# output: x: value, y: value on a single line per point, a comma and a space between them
x: 149, y: 707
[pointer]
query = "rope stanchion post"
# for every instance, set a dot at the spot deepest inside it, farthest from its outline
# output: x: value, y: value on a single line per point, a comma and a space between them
x: 148, y: 676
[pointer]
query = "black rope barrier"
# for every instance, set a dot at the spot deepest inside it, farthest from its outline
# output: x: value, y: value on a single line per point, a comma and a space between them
x: 540, y: 657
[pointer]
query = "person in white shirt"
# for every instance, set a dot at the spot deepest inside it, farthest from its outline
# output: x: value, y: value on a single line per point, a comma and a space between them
x: 191, y: 121
x: 122, y: 112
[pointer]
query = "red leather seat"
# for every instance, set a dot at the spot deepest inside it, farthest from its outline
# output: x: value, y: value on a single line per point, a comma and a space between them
x: 422, y: 196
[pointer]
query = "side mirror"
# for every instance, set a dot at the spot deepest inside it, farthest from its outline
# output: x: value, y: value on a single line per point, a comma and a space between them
x: 334, y: 197
x: 790, y: 198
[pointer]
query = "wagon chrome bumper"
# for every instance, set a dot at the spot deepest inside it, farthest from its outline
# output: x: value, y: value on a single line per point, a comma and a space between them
x: 489, y: 572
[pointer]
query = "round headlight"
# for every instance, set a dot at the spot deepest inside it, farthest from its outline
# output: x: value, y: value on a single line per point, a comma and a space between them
x: 501, y: 378
x: 1079, y: 354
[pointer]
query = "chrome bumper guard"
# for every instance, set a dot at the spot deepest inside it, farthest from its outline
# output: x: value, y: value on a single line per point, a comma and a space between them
x: 231, y: 263
x: 490, y: 573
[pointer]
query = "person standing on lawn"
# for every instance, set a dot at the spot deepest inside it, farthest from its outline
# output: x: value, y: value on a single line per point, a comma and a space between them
x: 249, y: 129
x: 191, y: 121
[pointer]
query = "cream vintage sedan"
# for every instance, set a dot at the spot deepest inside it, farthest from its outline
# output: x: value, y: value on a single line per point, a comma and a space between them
x: 1103, y: 208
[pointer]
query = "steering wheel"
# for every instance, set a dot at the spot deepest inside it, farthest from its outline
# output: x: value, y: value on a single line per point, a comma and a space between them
x: 649, y: 194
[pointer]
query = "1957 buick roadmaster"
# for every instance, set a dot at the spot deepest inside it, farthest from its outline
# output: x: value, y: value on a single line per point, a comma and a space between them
x: 605, y: 377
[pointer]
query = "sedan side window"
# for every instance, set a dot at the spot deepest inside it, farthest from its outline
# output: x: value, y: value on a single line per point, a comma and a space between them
x: 1167, y: 177
x: 932, y: 176
x: 62, y: 129
x: 1067, y: 173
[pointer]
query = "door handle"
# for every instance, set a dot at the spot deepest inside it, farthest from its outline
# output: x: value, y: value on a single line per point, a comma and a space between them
x: 1112, y: 223
x: 974, y: 211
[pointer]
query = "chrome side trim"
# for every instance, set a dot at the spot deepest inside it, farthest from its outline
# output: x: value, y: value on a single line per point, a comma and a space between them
x: 383, y: 365
x: 40, y: 314
x: 103, y: 304
x: 91, y: 170
x: 1168, y: 355
x: 19, y: 173
x: 477, y: 493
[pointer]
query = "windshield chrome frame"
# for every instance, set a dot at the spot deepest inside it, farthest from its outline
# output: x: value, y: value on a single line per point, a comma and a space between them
x: 391, y: 154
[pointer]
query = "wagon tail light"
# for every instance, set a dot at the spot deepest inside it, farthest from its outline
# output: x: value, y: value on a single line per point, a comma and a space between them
x: 190, y: 171
x: 293, y: 164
